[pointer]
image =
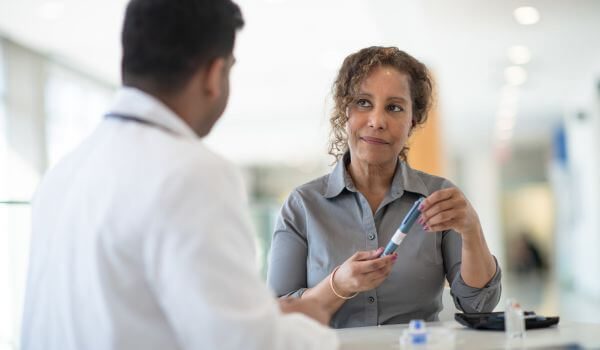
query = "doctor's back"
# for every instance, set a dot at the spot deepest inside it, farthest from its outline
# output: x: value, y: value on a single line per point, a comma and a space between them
x: 140, y: 238
x: 103, y: 236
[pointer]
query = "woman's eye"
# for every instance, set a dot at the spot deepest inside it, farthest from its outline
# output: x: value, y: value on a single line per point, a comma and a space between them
x: 363, y: 103
x: 395, y: 108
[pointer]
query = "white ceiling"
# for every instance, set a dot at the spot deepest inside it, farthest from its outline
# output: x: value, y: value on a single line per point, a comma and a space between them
x: 289, y: 51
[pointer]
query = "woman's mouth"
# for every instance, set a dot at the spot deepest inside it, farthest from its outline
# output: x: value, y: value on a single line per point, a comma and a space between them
x: 373, y: 140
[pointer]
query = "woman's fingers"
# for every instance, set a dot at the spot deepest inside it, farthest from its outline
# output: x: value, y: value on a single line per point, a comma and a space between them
x: 369, y: 274
x: 375, y: 264
x: 438, y: 208
x: 440, y: 218
x: 437, y: 196
x: 382, y: 267
x: 450, y: 224
x: 443, y: 210
x: 354, y: 273
x: 448, y: 209
x: 375, y: 278
x: 366, y: 254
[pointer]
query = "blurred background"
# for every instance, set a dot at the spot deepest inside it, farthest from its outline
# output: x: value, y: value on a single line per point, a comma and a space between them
x: 516, y: 125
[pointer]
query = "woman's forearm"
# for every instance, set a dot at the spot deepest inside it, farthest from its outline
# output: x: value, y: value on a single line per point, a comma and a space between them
x: 325, y: 295
x: 478, y: 266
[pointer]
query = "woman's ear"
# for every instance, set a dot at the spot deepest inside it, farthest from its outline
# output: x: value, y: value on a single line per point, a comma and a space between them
x: 216, y: 73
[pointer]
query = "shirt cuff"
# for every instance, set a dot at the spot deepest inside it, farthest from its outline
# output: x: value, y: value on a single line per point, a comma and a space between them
x: 471, y: 299
x: 295, y: 294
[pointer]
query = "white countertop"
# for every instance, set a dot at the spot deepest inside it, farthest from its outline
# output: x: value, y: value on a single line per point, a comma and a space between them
x: 387, y: 337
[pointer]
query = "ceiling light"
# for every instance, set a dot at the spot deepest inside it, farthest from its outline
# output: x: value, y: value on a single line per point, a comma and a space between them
x: 51, y: 10
x: 527, y: 15
x: 519, y: 54
x: 515, y: 75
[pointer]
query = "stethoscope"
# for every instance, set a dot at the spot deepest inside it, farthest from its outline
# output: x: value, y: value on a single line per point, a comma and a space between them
x: 134, y: 119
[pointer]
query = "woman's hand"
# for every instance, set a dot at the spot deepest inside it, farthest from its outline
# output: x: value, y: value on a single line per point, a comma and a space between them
x: 449, y: 209
x: 363, y: 271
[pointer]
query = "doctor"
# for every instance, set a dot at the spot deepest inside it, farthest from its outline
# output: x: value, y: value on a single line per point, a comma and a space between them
x: 140, y: 238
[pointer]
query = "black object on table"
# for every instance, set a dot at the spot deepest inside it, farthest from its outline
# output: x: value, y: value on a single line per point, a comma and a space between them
x: 495, y: 320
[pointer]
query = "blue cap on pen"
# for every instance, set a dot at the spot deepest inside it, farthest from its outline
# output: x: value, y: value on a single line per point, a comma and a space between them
x: 412, y: 216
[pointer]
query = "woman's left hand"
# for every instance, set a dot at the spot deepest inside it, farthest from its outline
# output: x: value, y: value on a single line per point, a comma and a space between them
x: 448, y: 209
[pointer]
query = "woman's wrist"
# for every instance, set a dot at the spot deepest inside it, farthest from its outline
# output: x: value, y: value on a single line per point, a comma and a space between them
x: 473, y: 235
x: 336, y: 289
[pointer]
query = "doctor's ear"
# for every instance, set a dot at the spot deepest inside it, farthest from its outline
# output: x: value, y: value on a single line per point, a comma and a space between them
x: 215, y: 76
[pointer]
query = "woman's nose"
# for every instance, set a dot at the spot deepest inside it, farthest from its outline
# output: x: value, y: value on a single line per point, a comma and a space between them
x: 377, y: 120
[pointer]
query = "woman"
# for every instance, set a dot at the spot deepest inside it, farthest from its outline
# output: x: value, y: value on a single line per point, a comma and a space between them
x: 328, y: 239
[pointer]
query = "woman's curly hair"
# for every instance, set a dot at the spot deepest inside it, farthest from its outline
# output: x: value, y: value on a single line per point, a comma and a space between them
x: 355, y: 69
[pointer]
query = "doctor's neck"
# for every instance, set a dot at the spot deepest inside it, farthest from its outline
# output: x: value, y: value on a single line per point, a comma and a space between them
x: 200, y: 101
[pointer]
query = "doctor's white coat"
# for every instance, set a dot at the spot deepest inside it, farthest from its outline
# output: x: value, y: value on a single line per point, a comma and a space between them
x: 140, y: 241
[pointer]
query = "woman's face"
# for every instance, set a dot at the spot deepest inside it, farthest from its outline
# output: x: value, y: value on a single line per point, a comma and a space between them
x: 380, y: 117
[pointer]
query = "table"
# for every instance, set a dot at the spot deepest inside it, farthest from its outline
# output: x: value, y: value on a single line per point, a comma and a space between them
x: 387, y: 337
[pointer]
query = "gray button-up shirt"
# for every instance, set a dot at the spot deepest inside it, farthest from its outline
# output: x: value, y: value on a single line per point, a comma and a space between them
x: 325, y: 221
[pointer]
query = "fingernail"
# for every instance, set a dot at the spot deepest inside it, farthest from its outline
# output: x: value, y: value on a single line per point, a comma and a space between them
x: 421, y: 206
x: 426, y: 228
x: 421, y: 221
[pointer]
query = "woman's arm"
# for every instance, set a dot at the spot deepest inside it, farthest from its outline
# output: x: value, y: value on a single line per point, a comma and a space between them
x: 309, y: 307
x: 363, y: 271
x: 448, y: 209
x: 471, y: 270
x: 287, y: 273
x: 478, y: 266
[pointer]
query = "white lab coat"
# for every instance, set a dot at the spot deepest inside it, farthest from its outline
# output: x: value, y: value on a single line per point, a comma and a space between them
x: 141, y: 241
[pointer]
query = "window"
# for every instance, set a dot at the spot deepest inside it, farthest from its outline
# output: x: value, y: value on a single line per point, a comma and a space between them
x: 74, y: 105
x: 63, y: 107
x: 14, y: 233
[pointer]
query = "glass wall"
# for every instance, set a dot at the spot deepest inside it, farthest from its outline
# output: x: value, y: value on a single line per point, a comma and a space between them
x: 14, y: 224
x: 74, y: 105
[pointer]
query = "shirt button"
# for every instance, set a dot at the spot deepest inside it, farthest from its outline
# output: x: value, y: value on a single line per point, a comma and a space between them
x: 371, y: 300
x: 371, y: 236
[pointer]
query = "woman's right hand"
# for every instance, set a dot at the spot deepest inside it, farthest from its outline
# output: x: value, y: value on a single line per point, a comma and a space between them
x: 363, y: 271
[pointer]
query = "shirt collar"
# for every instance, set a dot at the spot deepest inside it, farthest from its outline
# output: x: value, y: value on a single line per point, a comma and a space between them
x: 405, y: 179
x: 134, y: 102
x: 339, y: 178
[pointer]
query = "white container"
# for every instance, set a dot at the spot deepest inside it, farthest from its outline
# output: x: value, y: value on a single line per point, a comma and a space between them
x: 418, y: 337
x: 417, y: 332
x: 514, y: 320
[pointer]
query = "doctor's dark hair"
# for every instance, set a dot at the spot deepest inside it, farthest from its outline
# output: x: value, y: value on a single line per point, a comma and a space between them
x: 355, y: 69
x: 166, y: 41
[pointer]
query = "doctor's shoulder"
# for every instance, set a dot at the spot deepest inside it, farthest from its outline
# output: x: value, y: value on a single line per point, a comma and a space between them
x: 195, y: 167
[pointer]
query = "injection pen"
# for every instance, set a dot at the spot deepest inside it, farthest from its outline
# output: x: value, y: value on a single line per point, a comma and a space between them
x: 401, y: 232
